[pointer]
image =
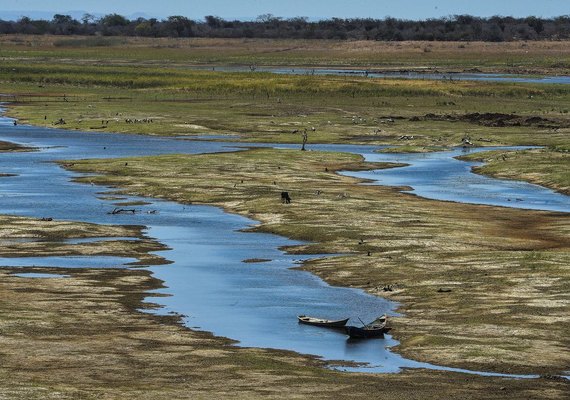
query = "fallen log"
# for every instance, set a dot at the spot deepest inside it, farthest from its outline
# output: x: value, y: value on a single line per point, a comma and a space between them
x: 122, y: 211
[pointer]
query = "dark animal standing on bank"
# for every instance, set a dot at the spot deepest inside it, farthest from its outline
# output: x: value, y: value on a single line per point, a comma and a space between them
x: 285, y: 198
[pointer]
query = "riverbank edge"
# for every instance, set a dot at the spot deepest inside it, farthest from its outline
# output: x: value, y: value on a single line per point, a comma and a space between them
x: 160, y: 341
x: 263, y: 227
x: 505, y: 173
x: 402, y: 347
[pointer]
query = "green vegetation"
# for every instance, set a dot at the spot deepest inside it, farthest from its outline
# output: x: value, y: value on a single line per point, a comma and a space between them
x: 515, y: 57
x: 102, y: 88
x: 276, y: 108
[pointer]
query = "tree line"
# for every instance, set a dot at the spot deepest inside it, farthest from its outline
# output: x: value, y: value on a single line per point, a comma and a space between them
x: 453, y: 28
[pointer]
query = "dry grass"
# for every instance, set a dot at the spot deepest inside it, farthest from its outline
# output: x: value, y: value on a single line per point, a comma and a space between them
x: 506, y: 57
x: 82, y: 337
x: 505, y: 267
x: 22, y: 237
x: 549, y: 167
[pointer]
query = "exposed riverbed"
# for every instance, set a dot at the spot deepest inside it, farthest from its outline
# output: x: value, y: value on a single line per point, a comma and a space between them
x: 208, y: 282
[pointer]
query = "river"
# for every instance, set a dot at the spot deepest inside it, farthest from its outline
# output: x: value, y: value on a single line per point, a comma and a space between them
x: 208, y: 282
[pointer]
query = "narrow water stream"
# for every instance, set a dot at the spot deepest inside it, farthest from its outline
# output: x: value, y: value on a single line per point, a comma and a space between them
x: 256, y: 304
x: 441, y: 176
x: 412, y: 75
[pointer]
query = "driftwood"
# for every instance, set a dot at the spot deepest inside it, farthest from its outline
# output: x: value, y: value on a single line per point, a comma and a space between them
x: 122, y: 211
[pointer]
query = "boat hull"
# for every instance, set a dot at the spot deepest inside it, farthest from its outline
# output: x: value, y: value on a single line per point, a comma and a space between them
x: 326, y: 323
x: 356, y: 332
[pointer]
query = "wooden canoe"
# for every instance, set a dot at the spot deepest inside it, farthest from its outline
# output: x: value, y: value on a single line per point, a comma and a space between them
x: 367, y: 331
x: 327, y: 323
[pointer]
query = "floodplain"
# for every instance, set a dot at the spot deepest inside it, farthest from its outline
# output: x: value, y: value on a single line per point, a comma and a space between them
x: 479, y: 287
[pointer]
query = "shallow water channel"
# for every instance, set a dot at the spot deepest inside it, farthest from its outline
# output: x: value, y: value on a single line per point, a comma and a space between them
x: 208, y: 282
x: 412, y: 75
x: 441, y: 176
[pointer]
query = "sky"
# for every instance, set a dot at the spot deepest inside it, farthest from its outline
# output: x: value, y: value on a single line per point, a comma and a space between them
x: 314, y: 9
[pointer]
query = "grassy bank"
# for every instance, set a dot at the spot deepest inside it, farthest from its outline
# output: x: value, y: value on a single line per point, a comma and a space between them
x: 27, y: 237
x: 270, y: 108
x: 481, y: 287
x: 549, y: 167
x: 82, y: 335
x: 514, y: 57
x: 135, y: 85
x: 7, y: 146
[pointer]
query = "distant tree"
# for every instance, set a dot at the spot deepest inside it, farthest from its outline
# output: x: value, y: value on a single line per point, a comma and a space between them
x: 457, y: 27
x: 146, y: 28
x: 26, y: 25
x: 88, y: 19
x: 60, y: 19
x: 493, y: 33
x: 267, y: 18
x: 179, y: 26
x: 24, y: 21
x: 114, y: 20
x: 535, y: 23
x: 213, y: 22
x: 63, y: 25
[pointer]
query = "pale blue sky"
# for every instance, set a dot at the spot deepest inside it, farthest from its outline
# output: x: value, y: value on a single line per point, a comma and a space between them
x: 230, y: 9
